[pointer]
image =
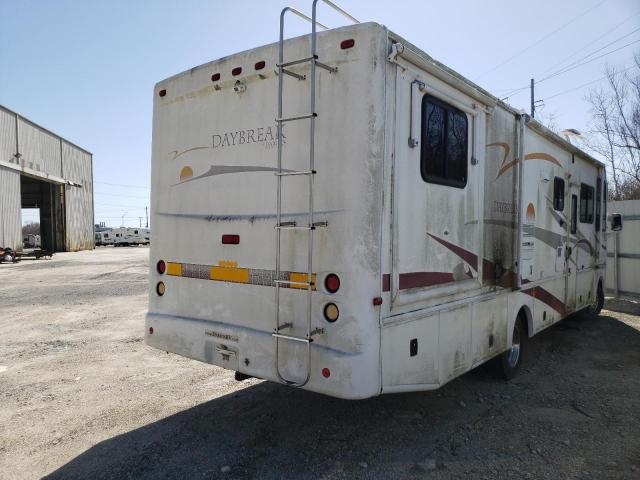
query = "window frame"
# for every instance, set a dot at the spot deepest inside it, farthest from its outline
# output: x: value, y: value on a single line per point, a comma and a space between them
x: 589, y: 199
x: 448, y: 108
x: 598, y: 207
x: 558, y: 200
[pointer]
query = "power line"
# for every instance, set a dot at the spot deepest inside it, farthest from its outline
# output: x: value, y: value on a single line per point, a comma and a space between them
x: 123, y: 185
x: 120, y: 206
x: 537, y: 42
x: 568, y: 69
x: 591, y: 42
x: 122, y: 195
x: 585, y: 84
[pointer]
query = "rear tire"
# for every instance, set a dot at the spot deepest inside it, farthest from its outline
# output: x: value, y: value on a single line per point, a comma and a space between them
x: 595, y: 310
x: 511, y: 360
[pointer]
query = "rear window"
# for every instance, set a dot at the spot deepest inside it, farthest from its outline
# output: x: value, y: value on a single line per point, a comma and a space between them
x: 443, y: 154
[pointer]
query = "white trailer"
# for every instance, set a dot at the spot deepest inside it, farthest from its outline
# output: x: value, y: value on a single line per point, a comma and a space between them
x: 126, y: 236
x: 31, y: 241
x: 404, y: 227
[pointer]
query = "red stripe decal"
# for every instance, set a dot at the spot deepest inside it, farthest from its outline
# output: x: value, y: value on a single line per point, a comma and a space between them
x: 467, y: 256
x: 546, y: 297
x: 424, y: 279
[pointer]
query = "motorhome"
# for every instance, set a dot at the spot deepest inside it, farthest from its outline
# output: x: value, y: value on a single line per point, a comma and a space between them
x: 342, y: 213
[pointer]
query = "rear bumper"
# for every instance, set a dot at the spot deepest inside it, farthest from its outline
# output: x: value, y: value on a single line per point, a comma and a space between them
x: 252, y: 352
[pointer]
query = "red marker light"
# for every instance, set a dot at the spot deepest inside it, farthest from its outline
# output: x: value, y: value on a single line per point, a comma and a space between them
x: 161, y: 266
x: 347, y: 43
x: 260, y: 65
x: 332, y: 283
x: 377, y: 301
x: 236, y: 71
x: 215, y: 77
x: 162, y: 93
x: 230, y: 239
x: 326, y: 373
x: 150, y: 330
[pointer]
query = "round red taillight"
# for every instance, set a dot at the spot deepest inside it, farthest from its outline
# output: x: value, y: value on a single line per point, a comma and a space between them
x: 326, y: 373
x: 161, y: 266
x: 332, y: 283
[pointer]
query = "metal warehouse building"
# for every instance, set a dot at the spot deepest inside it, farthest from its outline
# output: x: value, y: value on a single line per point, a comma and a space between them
x: 39, y: 169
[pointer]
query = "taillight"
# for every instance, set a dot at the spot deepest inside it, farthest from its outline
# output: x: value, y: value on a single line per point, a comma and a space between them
x: 161, y: 266
x: 231, y: 239
x: 331, y: 312
x: 347, y: 43
x: 326, y: 373
x: 332, y: 283
x: 160, y: 288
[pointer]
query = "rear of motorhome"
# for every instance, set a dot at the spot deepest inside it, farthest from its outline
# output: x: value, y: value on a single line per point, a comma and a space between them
x: 342, y: 213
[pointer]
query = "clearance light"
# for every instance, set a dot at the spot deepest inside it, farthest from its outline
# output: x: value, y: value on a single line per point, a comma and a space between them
x: 162, y: 93
x: 160, y: 288
x: 236, y: 71
x: 377, y: 301
x: 326, y: 373
x: 331, y: 312
x: 215, y: 77
x: 347, y: 44
x: 150, y: 330
x: 259, y: 65
x: 230, y: 239
x: 332, y: 283
x: 161, y: 266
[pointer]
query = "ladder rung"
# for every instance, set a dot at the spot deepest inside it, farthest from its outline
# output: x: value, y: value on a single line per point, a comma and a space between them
x: 296, y: 62
x: 288, y: 224
x: 327, y: 67
x: 300, y: 117
x: 293, y: 74
x: 295, y: 227
x: 285, y: 325
x: 291, y: 337
x: 302, y: 172
x: 291, y: 282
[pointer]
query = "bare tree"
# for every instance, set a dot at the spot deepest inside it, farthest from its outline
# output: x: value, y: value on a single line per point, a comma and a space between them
x: 615, y: 128
x: 31, y: 228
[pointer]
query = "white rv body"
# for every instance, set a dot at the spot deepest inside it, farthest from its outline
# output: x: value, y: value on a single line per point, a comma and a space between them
x: 432, y: 276
x: 125, y: 236
x: 31, y: 241
x: 104, y: 237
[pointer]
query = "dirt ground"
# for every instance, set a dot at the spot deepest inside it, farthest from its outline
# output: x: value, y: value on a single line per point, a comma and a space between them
x: 81, y: 396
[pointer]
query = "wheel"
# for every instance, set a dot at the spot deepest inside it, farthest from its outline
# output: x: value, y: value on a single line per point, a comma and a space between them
x: 511, y: 360
x: 597, y: 308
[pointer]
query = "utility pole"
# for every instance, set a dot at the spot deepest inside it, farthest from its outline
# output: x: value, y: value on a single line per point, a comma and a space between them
x: 140, y: 221
x: 146, y: 212
x: 533, y: 101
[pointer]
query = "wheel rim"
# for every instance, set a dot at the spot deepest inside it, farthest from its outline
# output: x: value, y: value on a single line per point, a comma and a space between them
x: 514, y: 351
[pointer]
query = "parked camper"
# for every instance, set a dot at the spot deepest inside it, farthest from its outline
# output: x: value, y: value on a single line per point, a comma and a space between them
x: 126, y: 236
x: 402, y: 228
x: 31, y: 241
x: 104, y: 237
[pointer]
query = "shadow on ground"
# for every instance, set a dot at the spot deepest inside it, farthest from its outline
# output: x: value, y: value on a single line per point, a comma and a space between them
x: 557, y: 419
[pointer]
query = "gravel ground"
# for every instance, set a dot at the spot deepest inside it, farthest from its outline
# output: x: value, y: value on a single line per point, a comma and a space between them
x: 81, y: 396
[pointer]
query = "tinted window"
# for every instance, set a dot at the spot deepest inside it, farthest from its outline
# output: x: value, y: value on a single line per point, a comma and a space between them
x: 443, y: 155
x: 574, y: 214
x: 558, y: 194
x: 586, y: 203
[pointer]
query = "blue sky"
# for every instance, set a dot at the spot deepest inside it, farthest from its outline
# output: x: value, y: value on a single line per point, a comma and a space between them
x: 86, y: 69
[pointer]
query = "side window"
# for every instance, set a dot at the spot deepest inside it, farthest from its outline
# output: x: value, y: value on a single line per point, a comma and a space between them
x: 443, y: 153
x: 598, y: 203
x: 586, y: 203
x: 574, y: 214
x: 135, y: 232
x: 558, y: 194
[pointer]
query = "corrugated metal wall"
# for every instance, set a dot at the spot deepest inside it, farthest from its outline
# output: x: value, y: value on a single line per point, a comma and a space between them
x: 47, y: 153
x: 40, y: 150
x: 10, y: 217
x: 77, y: 167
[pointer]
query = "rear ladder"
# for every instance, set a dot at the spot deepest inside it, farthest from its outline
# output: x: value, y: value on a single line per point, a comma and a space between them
x: 310, y: 172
